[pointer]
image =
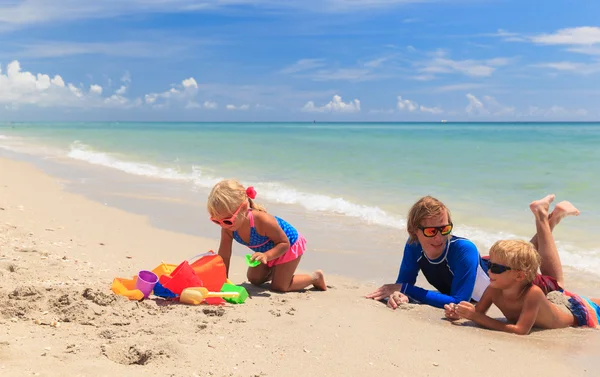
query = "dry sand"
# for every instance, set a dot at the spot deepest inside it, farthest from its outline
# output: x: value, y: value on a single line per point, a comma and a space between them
x: 59, y: 253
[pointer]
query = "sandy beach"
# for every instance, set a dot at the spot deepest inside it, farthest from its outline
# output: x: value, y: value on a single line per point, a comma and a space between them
x: 59, y: 252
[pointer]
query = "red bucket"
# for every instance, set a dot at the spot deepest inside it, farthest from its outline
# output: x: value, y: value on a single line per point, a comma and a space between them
x: 181, y: 278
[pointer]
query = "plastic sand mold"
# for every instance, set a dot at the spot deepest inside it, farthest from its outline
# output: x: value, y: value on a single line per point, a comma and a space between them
x: 250, y: 262
x: 126, y: 287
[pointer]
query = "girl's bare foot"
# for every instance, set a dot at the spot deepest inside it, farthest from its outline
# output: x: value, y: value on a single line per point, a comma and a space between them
x: 562, y: 210
x: 319, y: 280
x: 540, y: 207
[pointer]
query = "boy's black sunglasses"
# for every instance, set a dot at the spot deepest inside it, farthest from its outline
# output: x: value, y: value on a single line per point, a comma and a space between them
x: 496, y: 268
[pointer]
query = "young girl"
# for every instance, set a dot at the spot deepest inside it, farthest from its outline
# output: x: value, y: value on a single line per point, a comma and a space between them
x: 275, y: 243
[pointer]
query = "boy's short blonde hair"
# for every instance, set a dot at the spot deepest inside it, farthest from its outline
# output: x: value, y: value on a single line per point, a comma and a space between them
x: 518, y: 255
x: 425, y: 207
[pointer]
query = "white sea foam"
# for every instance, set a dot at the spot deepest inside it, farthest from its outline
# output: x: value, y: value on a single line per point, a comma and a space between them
x: 587, y: 260
x: 83, y: 152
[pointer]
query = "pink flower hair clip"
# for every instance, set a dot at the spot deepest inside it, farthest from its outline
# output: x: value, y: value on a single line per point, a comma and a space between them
x: 251, y: 192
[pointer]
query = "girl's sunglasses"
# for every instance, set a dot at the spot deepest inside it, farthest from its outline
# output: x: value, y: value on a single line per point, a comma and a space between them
x: 496, y: 268
x: 227, y: 221
x: 431, y: 231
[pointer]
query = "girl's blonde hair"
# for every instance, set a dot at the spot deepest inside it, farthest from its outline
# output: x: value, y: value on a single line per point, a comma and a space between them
x: 226, y: 197
x: 427, y: 206
x: 519, y: 255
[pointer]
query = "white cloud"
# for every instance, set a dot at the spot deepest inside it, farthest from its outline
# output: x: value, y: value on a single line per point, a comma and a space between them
x: 303, y: 65
x: 584, y: 35
x: 432, y: 110
x: 29, y: 12
x: 507, y: 36
x: 234, y: 108
x: 381, y: 111
x: 586, y: 50
x: 18, y: 87
x: 180, y: 93
x: 423, y: 77
x: 487, y: 106
x: 475, y: 106
x: 210, y: 105
x: 190, y: 83
x: 553, y: 112
x: 138, y: 49
x: 192, y: 105
x: 343, y: 74
x: 440, y: 64
x: 126, y: 78
x: 575, y: 67
x: 96, y: 89
x: 457, y: 87
x: 376, y: 62
x: 336, y: 105
x: 405, y: 104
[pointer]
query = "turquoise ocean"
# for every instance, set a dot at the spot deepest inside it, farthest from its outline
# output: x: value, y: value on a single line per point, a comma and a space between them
x: 363, y: 175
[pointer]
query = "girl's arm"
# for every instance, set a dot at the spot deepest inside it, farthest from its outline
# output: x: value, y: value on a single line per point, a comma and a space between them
x: 529, y: 313
x: 225, y: 247
x: 267, y: 225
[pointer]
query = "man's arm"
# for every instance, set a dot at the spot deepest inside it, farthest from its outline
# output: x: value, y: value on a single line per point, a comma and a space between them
x: 409, y: 268
x: 463, y: 260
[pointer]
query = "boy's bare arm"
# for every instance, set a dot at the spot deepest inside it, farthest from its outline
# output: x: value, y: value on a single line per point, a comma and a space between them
x: 486, y: 301
x: 531, y: 306
x: 452, y: 310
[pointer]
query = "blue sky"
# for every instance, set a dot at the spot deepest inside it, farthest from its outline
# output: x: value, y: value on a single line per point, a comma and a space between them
x: 260, y: 60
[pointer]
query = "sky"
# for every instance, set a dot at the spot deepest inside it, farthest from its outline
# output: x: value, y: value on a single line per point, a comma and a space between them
x: 299, y: 60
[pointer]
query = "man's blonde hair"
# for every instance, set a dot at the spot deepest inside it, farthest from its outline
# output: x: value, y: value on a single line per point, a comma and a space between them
x: 518, y: 255
x: 425, y: 207
x: 226, y: 197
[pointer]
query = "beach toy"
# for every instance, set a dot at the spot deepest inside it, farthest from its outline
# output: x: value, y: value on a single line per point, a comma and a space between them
x: 126, y: 287
x: 243, y: 293
x: 210, y: 268
x: 145, y: 282
x: 197, y: 295
x: 251, y: 263
x: 163, y: 292
x: 181, y: 278
x: 164, y: 269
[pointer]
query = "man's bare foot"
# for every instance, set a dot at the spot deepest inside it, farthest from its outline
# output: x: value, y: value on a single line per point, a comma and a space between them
x: 319, y: 280
x: 562, y: 210
x: 540, y: 207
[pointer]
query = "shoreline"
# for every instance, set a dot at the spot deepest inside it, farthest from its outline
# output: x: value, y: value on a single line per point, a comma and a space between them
x: 65, y: 250
x: 349, y: 247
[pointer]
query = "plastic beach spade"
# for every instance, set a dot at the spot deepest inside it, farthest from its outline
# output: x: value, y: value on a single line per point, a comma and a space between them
x: 196, y: 295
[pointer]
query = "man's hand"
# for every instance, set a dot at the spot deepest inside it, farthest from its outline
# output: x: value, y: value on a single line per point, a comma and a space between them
x: 396, y: 299
x: 384, y: 291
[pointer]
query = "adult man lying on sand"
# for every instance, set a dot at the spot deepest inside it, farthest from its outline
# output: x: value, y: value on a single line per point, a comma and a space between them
x: 451, y: 264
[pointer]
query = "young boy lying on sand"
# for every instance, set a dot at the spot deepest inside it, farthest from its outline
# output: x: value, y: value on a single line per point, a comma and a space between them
x: 525, y: 298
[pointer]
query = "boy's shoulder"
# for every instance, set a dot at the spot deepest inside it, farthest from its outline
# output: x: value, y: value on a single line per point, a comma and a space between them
x: 534, y: 293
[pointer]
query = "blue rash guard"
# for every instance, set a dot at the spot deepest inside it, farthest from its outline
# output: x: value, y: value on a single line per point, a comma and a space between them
x: 459, y: 274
